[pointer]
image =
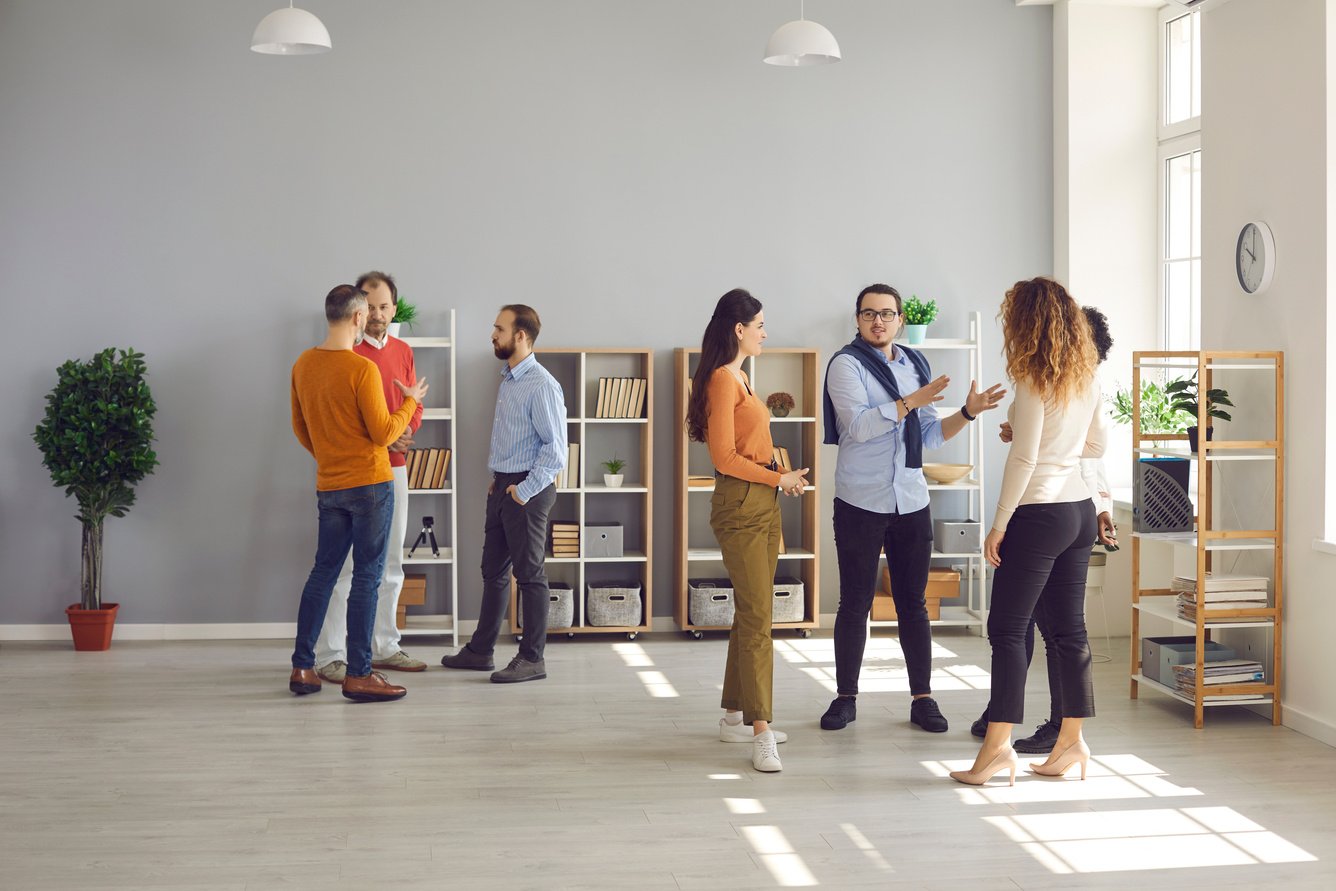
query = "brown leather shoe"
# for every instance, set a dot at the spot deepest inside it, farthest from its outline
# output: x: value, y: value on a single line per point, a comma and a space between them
x: 371, y: 688
x: 303, y: 681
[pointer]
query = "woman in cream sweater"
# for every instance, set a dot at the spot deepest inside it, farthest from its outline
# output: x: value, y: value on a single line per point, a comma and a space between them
x: 1045, y: 521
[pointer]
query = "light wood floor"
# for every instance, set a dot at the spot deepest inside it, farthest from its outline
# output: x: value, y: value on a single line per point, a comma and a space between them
x: 189, y: 765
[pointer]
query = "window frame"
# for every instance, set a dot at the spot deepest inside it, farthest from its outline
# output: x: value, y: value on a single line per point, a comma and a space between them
x: 1173, y: 140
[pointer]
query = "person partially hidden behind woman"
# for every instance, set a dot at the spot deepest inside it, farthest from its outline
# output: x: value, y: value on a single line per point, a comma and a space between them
x: 725, y: 413
x: 1044, y: 524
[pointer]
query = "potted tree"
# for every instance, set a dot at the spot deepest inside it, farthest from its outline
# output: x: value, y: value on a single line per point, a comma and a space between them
x: 1183, y: 395
x: 918, y: 316
x: 614, y: 466
x: 405, y: 313
x: 780, y: 404
x: 96, y: 440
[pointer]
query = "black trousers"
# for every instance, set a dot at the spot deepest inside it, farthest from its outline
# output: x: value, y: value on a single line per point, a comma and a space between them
x: 1045, y: 555
x: 514, y: 538
x: 860, y: 537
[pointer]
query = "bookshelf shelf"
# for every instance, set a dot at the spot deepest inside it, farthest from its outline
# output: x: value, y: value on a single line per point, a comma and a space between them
x: 579, y: 371
x: 795, y: 370
x: 1255, y: 632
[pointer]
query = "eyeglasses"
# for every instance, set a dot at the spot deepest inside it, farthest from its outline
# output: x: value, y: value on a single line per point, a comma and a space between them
x: 870, y: 315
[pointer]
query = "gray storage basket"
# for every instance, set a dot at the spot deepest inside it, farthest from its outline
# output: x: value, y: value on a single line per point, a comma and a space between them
x: 613, y: 604
x: 710, y: 602
x: 560, y: 606
x: 789, y: 606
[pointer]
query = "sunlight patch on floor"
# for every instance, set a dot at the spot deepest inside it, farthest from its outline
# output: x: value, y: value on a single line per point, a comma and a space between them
x: 778, y: 856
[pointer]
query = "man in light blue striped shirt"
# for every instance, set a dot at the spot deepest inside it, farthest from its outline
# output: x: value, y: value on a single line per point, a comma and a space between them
x: 528, y: 451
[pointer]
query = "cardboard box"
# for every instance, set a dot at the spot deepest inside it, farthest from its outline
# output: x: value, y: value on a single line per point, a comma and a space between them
x: 1159, y: 655
x: 942, y: 584
x: 414, y: 592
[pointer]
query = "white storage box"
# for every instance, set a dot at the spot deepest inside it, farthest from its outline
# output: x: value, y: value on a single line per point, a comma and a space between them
x: 789, y: 606
x: 560, y: 606
x: 603, y: 540
x: 710, y: 602
x: 613, y: 604
x: 956, y: 536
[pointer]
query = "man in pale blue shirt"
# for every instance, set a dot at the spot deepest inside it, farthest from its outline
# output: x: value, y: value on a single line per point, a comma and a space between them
x: 879, y: 409
x: 528, y: 450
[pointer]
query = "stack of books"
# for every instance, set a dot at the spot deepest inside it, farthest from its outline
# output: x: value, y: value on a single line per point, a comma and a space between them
x: 620, y: 397
x: 1228, y: 671
x: 565, y: 538
x: 569, y: 478
x: 782, y: 459
x: 1223, y: 591
x: 427, y: 467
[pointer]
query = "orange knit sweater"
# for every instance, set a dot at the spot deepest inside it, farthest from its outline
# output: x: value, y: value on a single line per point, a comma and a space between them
x: 339, y: 415
x: 738, y: 430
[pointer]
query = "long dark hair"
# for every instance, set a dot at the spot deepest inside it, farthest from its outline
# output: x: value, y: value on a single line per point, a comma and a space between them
x: 718, y: 347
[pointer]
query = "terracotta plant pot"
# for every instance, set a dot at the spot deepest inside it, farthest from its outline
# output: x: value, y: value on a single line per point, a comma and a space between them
x: 92, y: 628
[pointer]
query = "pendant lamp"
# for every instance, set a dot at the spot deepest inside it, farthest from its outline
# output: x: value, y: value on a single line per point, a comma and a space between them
x: 290, y: 32
x: 801, y: 43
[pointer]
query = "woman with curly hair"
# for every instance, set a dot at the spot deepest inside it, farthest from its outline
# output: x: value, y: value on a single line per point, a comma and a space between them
x: 725, y: 413
x: 1045, y: 521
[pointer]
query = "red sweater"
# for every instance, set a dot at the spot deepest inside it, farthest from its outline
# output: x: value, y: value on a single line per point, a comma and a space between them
x: 395, y: 361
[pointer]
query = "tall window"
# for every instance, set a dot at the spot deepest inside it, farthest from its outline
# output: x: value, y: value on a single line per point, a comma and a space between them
x: 1180, y: 180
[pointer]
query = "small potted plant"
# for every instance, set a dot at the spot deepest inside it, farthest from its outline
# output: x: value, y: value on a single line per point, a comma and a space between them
x: 918, y: 315
x: 405, y: 313
x: 96, y: 440
x: 780, y: 404
x: 1158, y: 414
x: 1183, y: 395
x: 614, y: 466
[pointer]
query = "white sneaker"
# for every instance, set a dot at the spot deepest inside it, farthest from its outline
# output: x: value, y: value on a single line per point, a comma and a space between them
x: 742, y: 733
x: 765, y: 753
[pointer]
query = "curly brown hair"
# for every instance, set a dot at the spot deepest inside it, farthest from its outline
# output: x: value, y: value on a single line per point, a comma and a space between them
x: 1046, y: 339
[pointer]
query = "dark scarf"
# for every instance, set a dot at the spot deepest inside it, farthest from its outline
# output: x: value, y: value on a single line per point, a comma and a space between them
x: 875, y: 362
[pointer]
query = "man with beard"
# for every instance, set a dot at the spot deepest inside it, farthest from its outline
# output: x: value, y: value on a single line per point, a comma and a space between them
x: 881, y: 497
x: 394, y: 358
x: 527, y: 452
x: 339, y: 416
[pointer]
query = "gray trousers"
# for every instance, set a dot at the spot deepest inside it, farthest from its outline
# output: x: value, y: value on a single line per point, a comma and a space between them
x: 514, y: 539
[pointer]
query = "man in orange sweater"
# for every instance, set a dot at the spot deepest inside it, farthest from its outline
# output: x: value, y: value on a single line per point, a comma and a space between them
x: 339, y: 416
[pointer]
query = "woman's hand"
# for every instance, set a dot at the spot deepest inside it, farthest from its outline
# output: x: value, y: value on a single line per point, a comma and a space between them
x: 793, y: 482
x: 992, y: 547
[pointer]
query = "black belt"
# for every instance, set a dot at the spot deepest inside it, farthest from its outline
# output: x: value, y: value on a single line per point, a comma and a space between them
x: 773, y: 465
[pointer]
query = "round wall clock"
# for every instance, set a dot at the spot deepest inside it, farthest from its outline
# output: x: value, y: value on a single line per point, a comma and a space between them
x: 1255, y: 257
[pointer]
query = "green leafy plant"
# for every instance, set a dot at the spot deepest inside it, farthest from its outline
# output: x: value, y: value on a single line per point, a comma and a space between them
x: 1183, y: 394
x: 1158, y: 414
x: 96, y: 440
x: 614, y: 465
x: 917, y: 312
x: 405, y: 312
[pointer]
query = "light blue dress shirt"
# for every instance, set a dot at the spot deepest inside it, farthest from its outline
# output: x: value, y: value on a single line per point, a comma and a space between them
x: 870, y: 470
x: 529, y: 430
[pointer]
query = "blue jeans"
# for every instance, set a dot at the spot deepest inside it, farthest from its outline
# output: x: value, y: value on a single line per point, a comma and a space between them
x: 357, y: 518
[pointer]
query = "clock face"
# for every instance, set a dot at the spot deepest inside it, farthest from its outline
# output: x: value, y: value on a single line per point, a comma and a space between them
x: 1254, y: 258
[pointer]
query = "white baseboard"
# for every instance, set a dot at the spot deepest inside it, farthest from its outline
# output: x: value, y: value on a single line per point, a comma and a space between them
x: 191, y: 631
x: 1302, y: 722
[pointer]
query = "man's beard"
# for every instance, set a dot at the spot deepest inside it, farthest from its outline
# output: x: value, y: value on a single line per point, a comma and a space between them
x: 503, y: 352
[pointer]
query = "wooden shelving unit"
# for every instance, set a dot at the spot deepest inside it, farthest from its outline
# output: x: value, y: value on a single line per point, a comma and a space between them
x: 441, y: 502
x: 794, y: 370
x: 1207, y: 541
x: 589, y: 500
x: 975, y: 611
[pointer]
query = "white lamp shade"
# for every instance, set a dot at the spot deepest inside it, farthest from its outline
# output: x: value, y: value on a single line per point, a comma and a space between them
x: 291, y: 32
x: 801, y: 43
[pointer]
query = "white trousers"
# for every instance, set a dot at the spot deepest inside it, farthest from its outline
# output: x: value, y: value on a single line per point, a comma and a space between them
x: 332, y: 644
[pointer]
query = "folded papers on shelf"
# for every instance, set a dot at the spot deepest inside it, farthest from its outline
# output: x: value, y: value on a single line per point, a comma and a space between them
x: 1226, y: 671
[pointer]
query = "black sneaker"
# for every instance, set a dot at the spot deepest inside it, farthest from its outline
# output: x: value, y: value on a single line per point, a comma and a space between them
x: 925, y: 713
x: 1045, y: 735
x: 841, y: 714
x: 980, y: 727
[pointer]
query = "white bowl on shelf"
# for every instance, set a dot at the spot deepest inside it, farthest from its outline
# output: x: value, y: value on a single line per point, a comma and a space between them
x: 945, y: 474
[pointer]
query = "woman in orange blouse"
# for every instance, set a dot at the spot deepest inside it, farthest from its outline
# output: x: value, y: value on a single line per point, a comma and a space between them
x: 726, y: 414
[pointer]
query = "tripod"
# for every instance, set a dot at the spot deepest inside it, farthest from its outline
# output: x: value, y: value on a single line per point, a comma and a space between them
x: 428, y: 532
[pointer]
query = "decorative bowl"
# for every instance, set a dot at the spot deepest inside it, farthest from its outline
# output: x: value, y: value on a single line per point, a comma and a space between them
x: 947, y: 473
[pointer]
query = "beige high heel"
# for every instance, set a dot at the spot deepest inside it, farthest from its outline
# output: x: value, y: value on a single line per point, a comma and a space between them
x: 1005, y: 760
x: 1076, y: 752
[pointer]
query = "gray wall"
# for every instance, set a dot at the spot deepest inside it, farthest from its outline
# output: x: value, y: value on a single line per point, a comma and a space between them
x: 617, y: 165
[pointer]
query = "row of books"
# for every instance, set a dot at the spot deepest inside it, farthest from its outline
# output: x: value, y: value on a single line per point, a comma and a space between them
x: 1215, y: 674
x: 427, y: 467
x: 620, y: 397
x: 565, y: 539
x: 569, y: 478
x: 782, y: 459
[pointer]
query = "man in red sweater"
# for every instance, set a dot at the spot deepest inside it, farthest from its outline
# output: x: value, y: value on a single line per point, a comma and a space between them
x: 394, y: 358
